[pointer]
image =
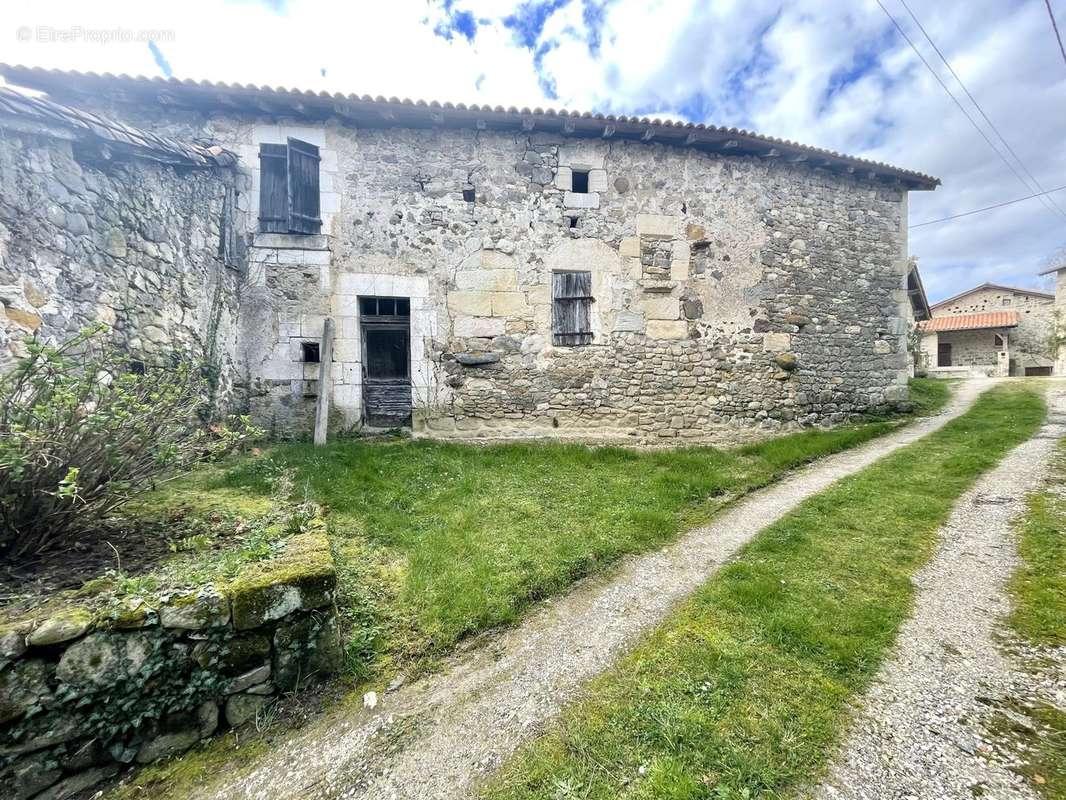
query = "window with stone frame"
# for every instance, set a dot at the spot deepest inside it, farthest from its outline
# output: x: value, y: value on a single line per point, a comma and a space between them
x: 571, y: 308
x: 289, y: 188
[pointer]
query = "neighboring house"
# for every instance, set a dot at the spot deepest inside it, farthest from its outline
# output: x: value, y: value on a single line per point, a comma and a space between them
x: 1058, y: 321
x: 491, y: 272
x: 990, y: 330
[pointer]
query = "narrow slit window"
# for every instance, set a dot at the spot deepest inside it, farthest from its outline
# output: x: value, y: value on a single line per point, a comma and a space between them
x: 572, y: 222
x: 571, y: 308
x: 309, y: 351
x: 579, y: 182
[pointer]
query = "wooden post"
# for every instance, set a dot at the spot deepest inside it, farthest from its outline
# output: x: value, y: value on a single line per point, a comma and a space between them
x: 325, y: 382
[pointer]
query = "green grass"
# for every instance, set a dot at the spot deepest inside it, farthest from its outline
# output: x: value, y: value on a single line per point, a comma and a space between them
x: 744, y: 691
x: 929, y: 395
x: 1038, y: 617
x: 1038, y: 586
x: 437, y: 541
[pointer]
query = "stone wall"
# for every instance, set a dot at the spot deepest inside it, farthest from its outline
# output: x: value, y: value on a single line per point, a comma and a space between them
x: 1059, y: 322
x: 972, y: 352
x: 89, y: 684
x: 729, y: 291
x: 134, y: 244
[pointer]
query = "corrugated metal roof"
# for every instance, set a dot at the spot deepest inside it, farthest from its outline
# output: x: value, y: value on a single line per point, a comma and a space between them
x: 395, y: 112
x: 970, y: 322
x: 143, y: 143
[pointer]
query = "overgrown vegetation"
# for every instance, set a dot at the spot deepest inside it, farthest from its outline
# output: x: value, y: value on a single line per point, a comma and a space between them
x: 743, y: 693
x: 82, y: 430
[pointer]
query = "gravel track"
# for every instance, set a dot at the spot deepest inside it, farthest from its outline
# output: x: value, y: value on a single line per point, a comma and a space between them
x: 438, y: 737
x: 920, y: 731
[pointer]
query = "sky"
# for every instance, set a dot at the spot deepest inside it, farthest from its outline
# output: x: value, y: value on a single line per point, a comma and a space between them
x: 831, y: 73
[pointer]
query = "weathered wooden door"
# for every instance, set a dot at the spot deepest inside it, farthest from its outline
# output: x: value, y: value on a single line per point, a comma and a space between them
x: 943, y: 354
x: 385, y: 325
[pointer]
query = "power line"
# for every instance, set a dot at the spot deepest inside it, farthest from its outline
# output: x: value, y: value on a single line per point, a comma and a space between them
x: 987, y: 208
x: 1055, y: 27
x: 977, y: 105
x: 954, y: 99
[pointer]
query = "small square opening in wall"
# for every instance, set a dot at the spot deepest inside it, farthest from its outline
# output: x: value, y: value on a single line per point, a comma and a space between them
x: 572, y: 222
x: 468, y: 195
x: 579, y: 181
x: 309, y: 351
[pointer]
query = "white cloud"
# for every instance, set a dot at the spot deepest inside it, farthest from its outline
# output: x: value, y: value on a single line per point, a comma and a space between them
x: 763, y: 64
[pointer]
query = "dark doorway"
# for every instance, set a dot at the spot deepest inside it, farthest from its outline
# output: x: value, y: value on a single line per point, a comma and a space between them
x: 943, y: 354
x: 385, y: 323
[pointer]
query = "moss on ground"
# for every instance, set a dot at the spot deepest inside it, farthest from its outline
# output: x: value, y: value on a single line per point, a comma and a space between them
x: 196, y: 770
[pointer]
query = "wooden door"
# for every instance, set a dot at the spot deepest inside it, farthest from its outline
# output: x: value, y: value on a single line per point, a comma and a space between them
x: 943, y: 354
x: 386, y: 332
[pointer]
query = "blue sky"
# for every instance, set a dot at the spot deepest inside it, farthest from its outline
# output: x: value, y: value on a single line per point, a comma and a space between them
x: 833, y: 73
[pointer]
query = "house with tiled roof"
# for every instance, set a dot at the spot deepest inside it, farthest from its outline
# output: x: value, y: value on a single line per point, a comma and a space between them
x: 462, y: 270
x: 990, y: 329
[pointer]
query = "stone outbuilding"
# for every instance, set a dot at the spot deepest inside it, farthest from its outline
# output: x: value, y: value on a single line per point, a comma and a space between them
x: 488, y: 271
x: 989, y: 330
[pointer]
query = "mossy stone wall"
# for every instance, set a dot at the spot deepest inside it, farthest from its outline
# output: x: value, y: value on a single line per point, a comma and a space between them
x: 86, y: 690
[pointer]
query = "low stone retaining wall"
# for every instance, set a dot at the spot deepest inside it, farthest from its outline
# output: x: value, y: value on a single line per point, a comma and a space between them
x: 88, y: 687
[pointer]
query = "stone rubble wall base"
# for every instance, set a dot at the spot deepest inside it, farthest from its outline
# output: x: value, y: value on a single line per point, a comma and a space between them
x: 74, y: 681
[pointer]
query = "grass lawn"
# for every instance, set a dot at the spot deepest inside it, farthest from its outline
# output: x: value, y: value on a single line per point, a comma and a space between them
x: 1038, y: 586
x: 929, y: 395
x: 437, y: 541
x: 744, y: 692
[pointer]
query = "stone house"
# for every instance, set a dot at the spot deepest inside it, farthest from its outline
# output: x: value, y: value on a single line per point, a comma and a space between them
x: 1057, y: 338
x: 989, y: 330
x: 490, y: 271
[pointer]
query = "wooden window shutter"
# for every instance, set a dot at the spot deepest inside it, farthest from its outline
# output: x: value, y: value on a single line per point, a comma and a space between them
x: 571, y: 308
x: 303, y: 187
x: 273, y: 188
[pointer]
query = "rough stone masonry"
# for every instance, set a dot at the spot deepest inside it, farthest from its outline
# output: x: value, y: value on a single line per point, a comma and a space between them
x: 733, y: 281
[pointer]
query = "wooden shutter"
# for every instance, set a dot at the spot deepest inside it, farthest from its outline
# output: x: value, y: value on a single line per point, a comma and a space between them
x: 303, y: 187
x: 273, y: 188
x: 571, y: 308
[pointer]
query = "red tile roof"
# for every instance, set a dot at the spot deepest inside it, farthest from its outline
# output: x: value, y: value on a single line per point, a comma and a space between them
x: 970, y: 322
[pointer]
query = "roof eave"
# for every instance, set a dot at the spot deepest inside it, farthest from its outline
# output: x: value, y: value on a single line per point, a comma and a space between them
x: 381, y: 112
